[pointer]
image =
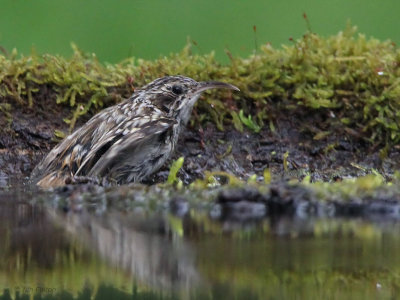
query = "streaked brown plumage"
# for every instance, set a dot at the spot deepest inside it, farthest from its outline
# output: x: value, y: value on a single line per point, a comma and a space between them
x: 126, y: 142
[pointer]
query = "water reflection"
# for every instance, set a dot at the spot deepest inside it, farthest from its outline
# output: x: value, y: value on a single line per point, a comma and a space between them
x: 114, y: 254
x: 143, y: 246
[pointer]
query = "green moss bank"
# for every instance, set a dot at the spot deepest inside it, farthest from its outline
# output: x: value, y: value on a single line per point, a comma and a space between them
x: 319, y: 94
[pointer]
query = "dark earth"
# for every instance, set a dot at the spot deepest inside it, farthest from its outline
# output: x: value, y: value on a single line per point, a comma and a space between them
x: 27, y: 135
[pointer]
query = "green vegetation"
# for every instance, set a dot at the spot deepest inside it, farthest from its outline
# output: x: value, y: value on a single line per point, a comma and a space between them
x: 350, y: 81
x: 173, y: 172
x: 248, y: 122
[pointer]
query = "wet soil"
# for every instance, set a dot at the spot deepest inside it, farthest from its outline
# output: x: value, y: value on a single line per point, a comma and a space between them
x: 27, y: 134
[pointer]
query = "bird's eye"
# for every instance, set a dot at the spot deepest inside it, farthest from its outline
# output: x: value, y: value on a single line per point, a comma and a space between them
x: 177, y: 89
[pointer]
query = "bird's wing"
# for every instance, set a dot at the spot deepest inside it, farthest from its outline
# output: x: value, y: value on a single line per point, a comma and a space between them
x: 122, y: 139
x: 68, y: 155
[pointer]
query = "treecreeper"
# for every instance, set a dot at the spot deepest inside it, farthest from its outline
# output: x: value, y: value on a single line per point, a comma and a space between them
x: 126, y: 142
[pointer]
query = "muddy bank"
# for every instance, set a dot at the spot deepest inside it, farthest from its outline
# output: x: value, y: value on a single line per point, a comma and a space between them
x: 28, y: 134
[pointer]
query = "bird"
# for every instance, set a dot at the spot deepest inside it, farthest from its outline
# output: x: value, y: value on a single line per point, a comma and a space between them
x: 126, y: 142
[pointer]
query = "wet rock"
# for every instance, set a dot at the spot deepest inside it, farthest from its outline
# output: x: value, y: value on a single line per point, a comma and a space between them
x: 241, y: 205
x: 349, y: 209
x: 3, y: 179
x: 369, y: 208
x: 286, y: 199
x: 383, y: 208
x: 243, y: 211
x: 179, y: 206
x: 240, y: 195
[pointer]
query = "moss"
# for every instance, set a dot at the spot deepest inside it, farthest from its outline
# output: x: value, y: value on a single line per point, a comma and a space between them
x: 5, y: 109
x: 350, y: 80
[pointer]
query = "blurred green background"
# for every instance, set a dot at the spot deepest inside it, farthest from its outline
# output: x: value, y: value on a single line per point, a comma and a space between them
x: 147, y: 29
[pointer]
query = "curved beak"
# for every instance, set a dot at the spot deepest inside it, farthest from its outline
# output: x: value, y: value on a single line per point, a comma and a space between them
x: 206, y: 85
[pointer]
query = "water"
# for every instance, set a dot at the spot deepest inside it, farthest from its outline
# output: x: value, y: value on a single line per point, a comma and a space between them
x: 82, y: 250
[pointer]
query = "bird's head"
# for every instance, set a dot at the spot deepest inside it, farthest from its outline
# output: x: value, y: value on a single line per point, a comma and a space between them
x: 176, y: 95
